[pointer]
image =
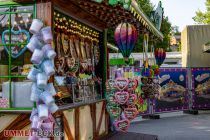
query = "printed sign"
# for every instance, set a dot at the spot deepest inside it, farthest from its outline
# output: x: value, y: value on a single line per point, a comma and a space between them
x: 201, y: 87
x: 173, y: 91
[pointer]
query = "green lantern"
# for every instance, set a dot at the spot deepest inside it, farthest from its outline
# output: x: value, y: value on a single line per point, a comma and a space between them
x: 113, y: 2
x: 98, y: 1
x: 126, y: 4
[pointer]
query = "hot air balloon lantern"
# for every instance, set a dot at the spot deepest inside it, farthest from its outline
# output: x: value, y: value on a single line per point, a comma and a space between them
x: 160, y: 56
x: 125, y: 37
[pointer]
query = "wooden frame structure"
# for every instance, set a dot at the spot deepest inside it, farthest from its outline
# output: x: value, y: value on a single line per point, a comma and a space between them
x: 90, y: 117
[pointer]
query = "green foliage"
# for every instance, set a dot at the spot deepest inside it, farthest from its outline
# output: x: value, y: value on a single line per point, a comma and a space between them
x: 146, y: 6
x: 203, y: 17
x: 179, y: 47
x: 175, y: 30
x: 110, y: 38
x: 166, y: 29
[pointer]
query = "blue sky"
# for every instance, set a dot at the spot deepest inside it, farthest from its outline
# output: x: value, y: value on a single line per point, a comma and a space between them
x: 180, y: 12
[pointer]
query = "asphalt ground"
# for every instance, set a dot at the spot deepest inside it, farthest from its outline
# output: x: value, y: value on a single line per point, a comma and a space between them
x: 175, y: 126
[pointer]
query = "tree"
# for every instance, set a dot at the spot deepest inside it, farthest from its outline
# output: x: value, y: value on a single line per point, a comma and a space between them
x: 166, y: 28
x: 146, y: 6
x: 175, y: 30
x: 203, y: 17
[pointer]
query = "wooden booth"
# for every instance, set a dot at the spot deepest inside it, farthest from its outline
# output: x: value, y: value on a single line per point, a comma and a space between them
x: 80, y: 41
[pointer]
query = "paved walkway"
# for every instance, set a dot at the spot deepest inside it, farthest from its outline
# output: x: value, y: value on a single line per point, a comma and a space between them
x: 176, y: 126
x: 130, y: 136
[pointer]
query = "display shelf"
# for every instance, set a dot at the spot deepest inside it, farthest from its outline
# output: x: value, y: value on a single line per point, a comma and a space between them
x: 61, y: 108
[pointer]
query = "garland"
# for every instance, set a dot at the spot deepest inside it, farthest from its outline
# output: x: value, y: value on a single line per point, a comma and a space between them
x: 66, y: 24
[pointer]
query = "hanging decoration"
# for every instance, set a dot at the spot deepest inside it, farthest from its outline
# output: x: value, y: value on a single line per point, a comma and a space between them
x: 146, y: 71
x: 150, y: 84
x: 157, y: 15
x: 150, y: 87
x: 125, y: 3
x: 78, y: 49
x: 154, y: 66
x: 98, y: 1
x: 42, y: 92
x: 125, y: 37
x: 121, y: 100
x: 20, y: 37
x: 160, y: 56
x: 69, y: 25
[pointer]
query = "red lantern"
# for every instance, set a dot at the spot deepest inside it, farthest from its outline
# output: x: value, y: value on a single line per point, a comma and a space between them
x: 160, y: 56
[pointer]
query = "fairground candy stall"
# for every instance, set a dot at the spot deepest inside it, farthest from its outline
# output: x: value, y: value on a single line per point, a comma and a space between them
x: 53, y: 65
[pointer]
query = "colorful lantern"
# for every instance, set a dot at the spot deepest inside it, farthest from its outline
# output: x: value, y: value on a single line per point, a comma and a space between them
x: 125, y: 37
x: 99, y: 1
x: 113, y: 2
x: 160, y: 56
x: 125, y: 3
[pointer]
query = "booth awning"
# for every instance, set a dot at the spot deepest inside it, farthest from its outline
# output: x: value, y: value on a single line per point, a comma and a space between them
x: 103, y: 15
x: 139, y: 14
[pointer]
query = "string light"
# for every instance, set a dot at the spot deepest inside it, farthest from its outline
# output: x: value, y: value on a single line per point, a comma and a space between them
x: 72, y: 26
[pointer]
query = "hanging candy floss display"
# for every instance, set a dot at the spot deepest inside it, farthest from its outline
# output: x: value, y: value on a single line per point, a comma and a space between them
x: 125, y: 37
x: 41, y: 92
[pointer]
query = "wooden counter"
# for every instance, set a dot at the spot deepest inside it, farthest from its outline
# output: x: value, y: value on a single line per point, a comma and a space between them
x: 84, y: 121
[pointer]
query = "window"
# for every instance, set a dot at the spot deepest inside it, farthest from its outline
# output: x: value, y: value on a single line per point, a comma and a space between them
x: 15, y: 21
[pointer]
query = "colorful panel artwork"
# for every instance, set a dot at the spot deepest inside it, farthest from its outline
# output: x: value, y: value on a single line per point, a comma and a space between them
x: 201, y: 88
x: 173, y: 93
